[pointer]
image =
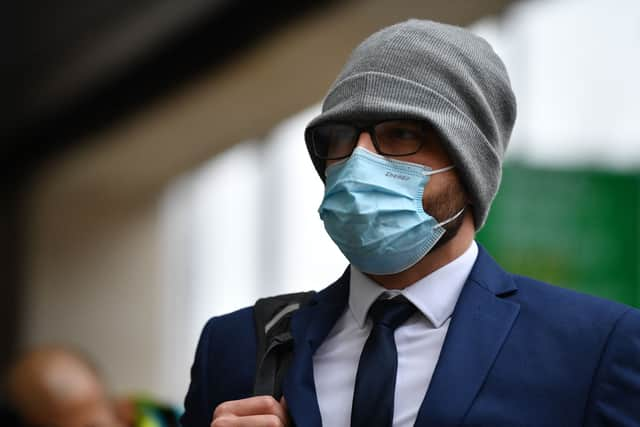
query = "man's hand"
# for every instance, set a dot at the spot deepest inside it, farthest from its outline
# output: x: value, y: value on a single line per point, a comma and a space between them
x: 258, y: 411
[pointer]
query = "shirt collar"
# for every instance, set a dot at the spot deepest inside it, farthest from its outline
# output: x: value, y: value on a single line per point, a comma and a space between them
x: 435, y: 295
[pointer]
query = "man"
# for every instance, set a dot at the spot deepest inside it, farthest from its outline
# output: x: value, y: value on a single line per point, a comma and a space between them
x: 424, y: 328
x: 53, y: 386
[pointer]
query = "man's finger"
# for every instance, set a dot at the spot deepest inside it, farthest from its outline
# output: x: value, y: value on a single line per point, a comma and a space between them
x: 285, y: 408
x: 248, y: 421
x: 257, y: 405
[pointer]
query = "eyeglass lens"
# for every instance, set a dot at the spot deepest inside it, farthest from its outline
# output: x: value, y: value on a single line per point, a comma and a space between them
x: 393, y: 138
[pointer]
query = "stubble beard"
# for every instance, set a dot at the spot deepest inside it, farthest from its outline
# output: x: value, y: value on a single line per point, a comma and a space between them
x: 445, y: 205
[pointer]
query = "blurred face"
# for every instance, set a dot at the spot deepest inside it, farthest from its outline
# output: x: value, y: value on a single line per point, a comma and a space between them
x: 86, y: 413
x: 59, y: 391
x: 444, y: 196
x: 91, y: 410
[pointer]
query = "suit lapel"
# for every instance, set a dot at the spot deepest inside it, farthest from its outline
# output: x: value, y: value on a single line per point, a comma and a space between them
x: 480, y: 323
x: 309, y: 327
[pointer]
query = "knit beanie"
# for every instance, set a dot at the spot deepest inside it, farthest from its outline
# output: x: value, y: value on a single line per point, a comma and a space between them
x: 445, y: 75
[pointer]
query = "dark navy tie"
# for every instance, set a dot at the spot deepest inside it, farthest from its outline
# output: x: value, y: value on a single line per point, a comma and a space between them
x: 376, y: 378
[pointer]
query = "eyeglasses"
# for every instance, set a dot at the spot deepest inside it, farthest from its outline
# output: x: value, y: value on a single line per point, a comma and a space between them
x: 333, y: 141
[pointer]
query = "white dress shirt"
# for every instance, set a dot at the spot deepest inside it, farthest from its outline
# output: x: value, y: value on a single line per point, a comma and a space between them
x: 419, y: 341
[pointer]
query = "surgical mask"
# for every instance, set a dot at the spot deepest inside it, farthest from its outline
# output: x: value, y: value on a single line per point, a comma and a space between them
x: 372, y: 209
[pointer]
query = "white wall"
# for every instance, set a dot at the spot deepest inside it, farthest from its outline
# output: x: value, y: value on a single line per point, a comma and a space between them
x: 250, y: 226
x: 574, y: 66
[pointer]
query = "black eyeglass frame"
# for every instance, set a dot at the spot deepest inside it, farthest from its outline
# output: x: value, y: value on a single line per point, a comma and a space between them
x: 359, y: 128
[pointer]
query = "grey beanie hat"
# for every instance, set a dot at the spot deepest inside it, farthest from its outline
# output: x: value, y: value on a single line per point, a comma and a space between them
x: 440, y: 73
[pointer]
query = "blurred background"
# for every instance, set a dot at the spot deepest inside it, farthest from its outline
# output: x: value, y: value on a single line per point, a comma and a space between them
x: 154, y: 171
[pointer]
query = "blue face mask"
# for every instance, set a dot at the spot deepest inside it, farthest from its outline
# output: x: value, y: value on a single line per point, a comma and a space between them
x: 372, y: 209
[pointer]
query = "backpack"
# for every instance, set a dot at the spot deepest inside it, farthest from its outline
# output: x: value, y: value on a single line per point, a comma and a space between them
x: 274, y: 342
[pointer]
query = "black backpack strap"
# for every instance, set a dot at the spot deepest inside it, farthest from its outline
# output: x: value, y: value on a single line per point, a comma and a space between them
x: 274, y: 341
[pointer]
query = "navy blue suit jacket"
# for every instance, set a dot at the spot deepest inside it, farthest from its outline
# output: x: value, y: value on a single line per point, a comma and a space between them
x: 518, y: 353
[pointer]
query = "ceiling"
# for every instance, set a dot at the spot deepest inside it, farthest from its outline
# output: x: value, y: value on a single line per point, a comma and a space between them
x: 76, y: 66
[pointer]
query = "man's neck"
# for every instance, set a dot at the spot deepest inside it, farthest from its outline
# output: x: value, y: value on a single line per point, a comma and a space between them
x: 433, y: 260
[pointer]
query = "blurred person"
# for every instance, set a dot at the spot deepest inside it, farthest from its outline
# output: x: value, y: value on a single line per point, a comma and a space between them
x: 424, y: 328
x: 55, y: 386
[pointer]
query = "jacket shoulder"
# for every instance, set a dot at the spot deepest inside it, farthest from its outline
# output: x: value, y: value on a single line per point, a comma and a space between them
x: 238, y: 318
x: 573, y: 353
x: 551, y: 300
x: 574, y: 327
x: 230, y: 340
x: 224, y: 366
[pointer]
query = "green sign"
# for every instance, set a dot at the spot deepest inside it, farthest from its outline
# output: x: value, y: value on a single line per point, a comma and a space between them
x: 573, y: 228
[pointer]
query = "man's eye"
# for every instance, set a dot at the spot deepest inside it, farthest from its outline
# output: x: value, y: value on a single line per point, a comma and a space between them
x: 403, y: 133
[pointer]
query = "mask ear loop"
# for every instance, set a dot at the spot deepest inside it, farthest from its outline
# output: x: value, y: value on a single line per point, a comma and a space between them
x: 453, y: 218
x: 435, y: 171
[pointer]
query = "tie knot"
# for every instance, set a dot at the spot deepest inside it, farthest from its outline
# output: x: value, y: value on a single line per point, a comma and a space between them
x: 391, y: 312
